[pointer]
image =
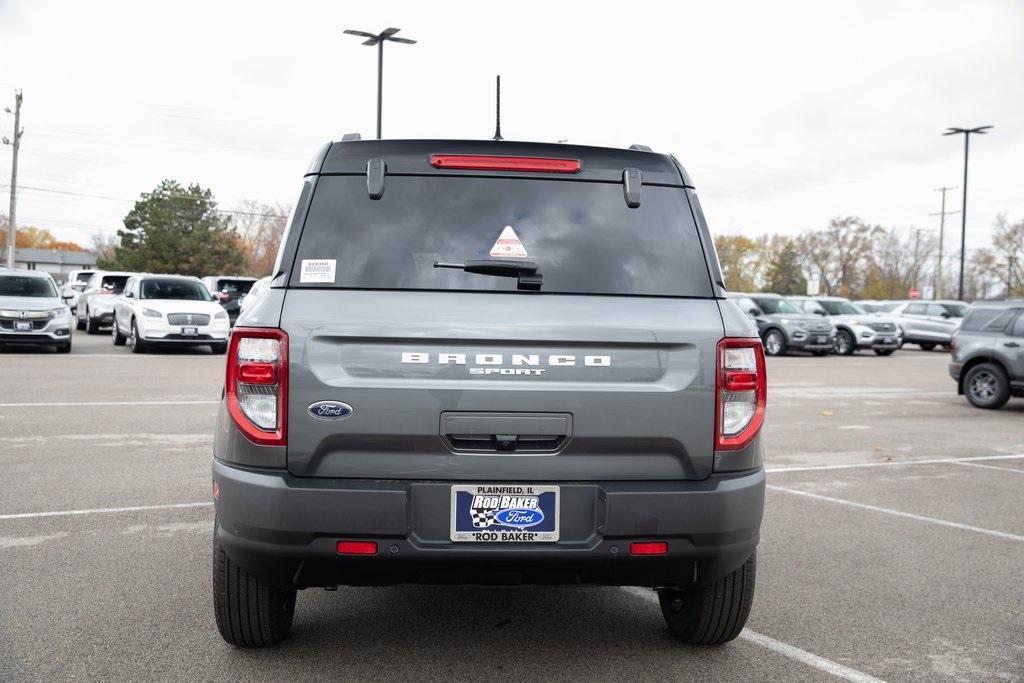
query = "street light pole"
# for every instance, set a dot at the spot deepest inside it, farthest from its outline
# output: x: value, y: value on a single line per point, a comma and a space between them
x: 379, y: 39
x: 980, y: 130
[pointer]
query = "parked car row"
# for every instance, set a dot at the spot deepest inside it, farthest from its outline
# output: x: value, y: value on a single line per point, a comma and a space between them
x: 142, y: 310
x: 819, y: 325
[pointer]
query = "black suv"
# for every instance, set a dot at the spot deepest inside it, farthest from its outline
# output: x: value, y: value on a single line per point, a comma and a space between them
x: 484, y: 362
x: 988, y: 353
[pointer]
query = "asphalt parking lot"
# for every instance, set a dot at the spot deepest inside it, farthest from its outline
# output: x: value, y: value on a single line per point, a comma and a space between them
x: 892, y: 545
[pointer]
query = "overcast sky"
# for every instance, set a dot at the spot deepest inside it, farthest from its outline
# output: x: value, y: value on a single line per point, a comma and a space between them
x: 785, y: 114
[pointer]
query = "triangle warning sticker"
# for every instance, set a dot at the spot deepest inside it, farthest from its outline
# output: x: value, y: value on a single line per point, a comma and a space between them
x: 508, y: 245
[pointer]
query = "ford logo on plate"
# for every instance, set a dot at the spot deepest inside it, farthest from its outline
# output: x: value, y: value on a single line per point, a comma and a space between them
x: 521, y: 518
x: 330, y: 410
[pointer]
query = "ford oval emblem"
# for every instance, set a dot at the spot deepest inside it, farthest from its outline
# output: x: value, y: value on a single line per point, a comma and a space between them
x: 521, y: 518
x: 329, y: 410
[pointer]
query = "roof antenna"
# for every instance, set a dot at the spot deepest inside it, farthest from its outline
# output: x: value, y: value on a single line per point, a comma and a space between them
x: 497, y: 125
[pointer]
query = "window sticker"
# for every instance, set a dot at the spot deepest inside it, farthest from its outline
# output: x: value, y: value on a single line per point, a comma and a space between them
x: 508, y: 245
x: 319, y: 270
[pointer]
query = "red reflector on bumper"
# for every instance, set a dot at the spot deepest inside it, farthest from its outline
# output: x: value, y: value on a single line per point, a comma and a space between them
x: 648, y: 548
x: 357, y: 547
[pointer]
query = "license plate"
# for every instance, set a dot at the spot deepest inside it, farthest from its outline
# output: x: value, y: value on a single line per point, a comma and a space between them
x: 887, y: 340
x: 23, y: 327
x: 190, y: 331
x: 504, y: 513
x: 823, y: 340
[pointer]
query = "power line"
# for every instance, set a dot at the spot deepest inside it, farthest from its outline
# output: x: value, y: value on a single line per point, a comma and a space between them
x: 70, y: 193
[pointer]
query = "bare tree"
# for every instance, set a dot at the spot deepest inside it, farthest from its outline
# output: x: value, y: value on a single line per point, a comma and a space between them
x: 261, y: 227
x: 1008, y: 255
x: 839, y: 254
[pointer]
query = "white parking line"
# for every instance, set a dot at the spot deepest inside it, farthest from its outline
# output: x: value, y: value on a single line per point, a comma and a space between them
x: 784, y: 649
x: 991, y: 467
x: 98, y: 511
x: 79, y: 404
x: 891, y: 463
x: 900, y: 513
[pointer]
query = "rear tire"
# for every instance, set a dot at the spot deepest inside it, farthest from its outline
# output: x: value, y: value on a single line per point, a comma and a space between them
x: 79, y: 323
x: 219, y: 349
x: 775, y: 343
x: 249, y: 612
x: 927, y: 346
x: 712, y: 614
x: 986, y: 386
x: 884, y: 352
x: 119, y: 339
x: 845, y: 344
x: 91, y: 325
x: 64, y: 348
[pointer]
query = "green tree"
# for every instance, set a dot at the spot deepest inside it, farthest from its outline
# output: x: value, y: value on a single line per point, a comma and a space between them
x: 784, y: 274
x: 177, y: 230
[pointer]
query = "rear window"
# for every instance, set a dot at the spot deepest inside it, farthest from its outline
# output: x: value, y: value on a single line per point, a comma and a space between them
x: 234, y: 286
x: 83, y: 276
x: 582, y: 236
x: 988, y: 319
x: 113, y: 283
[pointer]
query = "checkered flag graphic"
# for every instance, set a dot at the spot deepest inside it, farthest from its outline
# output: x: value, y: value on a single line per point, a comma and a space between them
x: 482, y: 518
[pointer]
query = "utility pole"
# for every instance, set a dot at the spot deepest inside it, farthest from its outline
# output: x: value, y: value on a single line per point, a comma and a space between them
x: 966, y: 132
x: 378, y: 40
x: 942, y: 229
x: 15, y: 142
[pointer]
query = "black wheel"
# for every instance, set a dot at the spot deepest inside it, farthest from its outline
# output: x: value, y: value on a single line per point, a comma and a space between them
x: 845, y: 344
x: 986, y: 386
x: 219, y: 349
x: 884, y: 352
x: 927, y: 346
x: 92, y: 326
x: 775, y: 343
x: 115, y: 334
x: 64, y: 348
x: 134, y: 343
x: 713, y: 614
x: 79, y: 323
x: 250, y: 613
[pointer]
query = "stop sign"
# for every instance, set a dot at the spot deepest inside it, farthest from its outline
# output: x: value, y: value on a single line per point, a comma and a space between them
x: 914, y: 294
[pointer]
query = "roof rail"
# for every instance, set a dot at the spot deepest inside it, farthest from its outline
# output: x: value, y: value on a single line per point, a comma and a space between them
x: 640, y: 148
x: 351, y: 137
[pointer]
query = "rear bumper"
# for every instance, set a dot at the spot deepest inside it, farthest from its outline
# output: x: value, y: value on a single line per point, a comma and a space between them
x: 285, y: 529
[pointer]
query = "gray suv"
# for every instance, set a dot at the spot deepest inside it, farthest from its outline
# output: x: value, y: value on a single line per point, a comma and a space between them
x: 988, y: 353
x: 491, y: 362
x: 784, y: 327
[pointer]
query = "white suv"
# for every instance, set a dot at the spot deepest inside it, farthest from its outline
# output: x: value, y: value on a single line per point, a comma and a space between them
x: 168, y: 309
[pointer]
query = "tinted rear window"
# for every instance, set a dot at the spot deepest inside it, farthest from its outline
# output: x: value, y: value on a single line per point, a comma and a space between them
x: 234, y: 286
x: 582, y: 236
x: 114, y: 283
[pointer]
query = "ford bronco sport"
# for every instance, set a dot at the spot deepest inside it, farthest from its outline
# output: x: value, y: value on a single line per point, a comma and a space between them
x: 484, y: 362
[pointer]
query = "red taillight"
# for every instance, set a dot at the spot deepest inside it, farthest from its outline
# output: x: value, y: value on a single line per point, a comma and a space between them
x: 472, y: 162
x: 648, y: 548
x: 357, y: 547
x: 741, y: 390
x: 256, y: 384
